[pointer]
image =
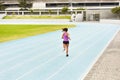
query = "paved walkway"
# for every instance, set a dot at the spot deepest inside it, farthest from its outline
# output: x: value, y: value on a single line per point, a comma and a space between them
x: 108, y: 65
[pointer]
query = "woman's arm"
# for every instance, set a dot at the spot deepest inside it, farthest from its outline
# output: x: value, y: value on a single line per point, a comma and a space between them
x: 68, y: 36
x: 62, y: 35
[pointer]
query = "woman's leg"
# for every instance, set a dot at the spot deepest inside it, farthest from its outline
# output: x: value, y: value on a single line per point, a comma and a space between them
x: 64, y: 46
x: 67, y: 45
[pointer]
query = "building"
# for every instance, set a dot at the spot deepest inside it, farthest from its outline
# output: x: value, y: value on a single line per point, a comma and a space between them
x: 72, y: 4
x: 93, y: 8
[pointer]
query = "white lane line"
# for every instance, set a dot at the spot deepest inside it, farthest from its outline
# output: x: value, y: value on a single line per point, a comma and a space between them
x: 25, y: 41
x: 26, y: 61
x: 17, y: 56
x: 37, y: 67
x: 20, y: 64
x: 27, y: 73
x: 17, y: 48
x: 26, y: 48
x: 22, y: 45
x: 27, y: 53
x: 28, y: 40
x: 51, y: 76
x: 100, y: 54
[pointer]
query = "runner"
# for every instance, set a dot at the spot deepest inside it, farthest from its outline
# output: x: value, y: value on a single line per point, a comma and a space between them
x: 66, y: 38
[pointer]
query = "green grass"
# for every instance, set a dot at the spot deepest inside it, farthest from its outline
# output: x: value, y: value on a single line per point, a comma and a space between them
x: 35, y: 17
x: 12, y: 32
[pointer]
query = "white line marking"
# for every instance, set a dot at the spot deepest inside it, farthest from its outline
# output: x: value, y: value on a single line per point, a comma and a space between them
x: 51, y: 76
x: 26, y: 61
x: 51, y: 60
x: 37, y: 67
x: 22, y: 63
x: 43, y: 64
x: 92, y: 64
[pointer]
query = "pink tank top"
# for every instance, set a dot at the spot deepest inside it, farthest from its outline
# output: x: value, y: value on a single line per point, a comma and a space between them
x: 65, y: 37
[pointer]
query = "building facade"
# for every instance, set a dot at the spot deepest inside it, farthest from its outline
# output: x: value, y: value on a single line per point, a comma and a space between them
x: 94, y: 9
x: 72, y: 4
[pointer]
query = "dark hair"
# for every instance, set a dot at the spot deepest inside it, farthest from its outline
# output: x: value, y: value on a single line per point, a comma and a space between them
x: 65, y: 29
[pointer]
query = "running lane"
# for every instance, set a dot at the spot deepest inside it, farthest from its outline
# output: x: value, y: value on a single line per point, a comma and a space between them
x: 42, y: 58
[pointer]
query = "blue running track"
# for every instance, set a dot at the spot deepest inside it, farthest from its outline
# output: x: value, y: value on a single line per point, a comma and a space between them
x: 41, y: 57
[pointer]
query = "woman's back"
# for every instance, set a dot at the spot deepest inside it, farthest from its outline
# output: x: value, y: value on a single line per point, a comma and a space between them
x: 65, y: 36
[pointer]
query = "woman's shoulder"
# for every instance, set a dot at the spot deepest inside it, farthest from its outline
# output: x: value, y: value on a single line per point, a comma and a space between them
x: 67, y: 33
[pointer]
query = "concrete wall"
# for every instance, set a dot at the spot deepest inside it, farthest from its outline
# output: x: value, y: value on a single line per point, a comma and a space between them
x: 107, y: 14
x: 104, y: 14
x: 110, y: 21
x: 38, y: 5
x: 2, y: 15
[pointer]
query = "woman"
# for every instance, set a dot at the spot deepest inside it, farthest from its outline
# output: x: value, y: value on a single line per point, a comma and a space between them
x: 66, y: 38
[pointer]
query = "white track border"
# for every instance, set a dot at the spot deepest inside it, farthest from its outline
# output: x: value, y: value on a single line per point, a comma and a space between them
x: 96, y: 59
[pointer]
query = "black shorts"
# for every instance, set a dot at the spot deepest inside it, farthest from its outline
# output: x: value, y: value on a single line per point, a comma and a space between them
x: 65, y: 42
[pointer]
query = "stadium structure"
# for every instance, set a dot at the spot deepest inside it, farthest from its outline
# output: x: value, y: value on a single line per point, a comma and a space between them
x: 93, y: 8
x: 58, y: 4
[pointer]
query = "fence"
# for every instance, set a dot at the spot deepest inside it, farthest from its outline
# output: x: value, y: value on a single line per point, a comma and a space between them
x: 39, y: 12
x: 87, y: 14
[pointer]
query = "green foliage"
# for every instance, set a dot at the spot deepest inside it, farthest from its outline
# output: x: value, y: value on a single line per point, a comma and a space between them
x: 116, y: 10
x: 13, y: 13
x: 23, y: 4
x: 65, y: 10
x: 50, y: 11
x: 31, y: 11
x: 2, y: 7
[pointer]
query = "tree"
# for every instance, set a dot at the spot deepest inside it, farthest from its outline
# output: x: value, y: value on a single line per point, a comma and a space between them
x: 116, y: 11
x: 65, y: 10
x: 23, y: 4
x: 2, y: 7
x: 50, y: 11
x: 31, y: 11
